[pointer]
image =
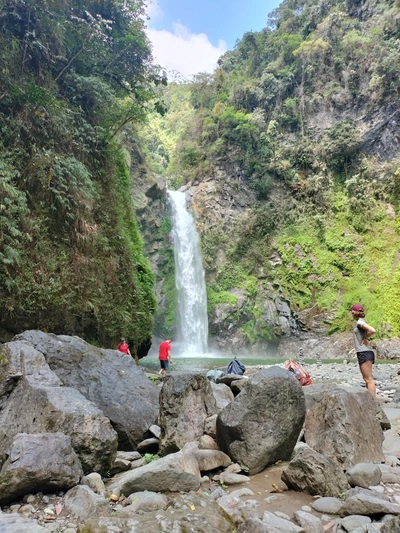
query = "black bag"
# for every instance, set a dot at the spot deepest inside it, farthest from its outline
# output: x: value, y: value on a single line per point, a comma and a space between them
x: 236, y: 367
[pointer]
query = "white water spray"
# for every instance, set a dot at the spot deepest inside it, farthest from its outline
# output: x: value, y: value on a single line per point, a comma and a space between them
x: 192, y: 321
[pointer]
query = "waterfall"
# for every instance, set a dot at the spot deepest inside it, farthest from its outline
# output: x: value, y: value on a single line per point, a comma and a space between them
x: 192, y: 321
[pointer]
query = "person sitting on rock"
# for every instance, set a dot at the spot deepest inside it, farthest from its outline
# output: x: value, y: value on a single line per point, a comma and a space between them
x: 123, y: 346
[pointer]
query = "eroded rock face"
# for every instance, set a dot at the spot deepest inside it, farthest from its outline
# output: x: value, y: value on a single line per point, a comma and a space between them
x: 109, y: 379
x: 262, y: 424
x: 186, y: 400
x: 343, y: 426
x: 28, y: 466
x: 34, y: 401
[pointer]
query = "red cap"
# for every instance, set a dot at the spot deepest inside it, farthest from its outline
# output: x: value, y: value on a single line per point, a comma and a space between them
x: 357, y: 307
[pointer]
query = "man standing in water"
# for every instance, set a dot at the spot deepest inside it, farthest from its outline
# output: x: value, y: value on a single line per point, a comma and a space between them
x: 164, y: 356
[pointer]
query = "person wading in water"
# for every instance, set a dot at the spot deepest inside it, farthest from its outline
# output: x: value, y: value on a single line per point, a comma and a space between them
x: 164, y: 356
x: 362, y: 332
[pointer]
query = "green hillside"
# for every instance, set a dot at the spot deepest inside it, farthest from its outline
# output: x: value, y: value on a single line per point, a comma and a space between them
x: 308, y: 110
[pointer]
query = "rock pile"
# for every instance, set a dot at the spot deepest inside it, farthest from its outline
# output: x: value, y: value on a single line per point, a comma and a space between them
x: 60, y: 428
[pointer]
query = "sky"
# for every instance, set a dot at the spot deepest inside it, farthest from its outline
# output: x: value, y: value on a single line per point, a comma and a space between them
x: 188, y: 36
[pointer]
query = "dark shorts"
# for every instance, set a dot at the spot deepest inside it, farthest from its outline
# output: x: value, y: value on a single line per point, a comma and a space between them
x: 164, y: 363
x: 365, y: 356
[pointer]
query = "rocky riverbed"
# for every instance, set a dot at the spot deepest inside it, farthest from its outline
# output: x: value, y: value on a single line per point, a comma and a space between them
x: 196, y: 487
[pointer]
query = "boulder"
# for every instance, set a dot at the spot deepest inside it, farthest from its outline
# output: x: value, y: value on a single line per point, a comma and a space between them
x: 310, y: 523
x: 108, y: 378
x: 364, y: 475
x: 343, y: 427
x: 81, y: 502
x: 222, y: 394
x: 367, y: 503
x: 173, y: 473
x: 42, y: 462
x: 253, y: 525
x: 314, y: 474
x: 38, y: 403
x: 262, y: 424
x: 280, y: 525
x: 186, y: 400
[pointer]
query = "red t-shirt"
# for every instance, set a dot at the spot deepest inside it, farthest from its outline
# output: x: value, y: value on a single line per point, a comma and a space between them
x: 165, y: 347
x: 123, y: 347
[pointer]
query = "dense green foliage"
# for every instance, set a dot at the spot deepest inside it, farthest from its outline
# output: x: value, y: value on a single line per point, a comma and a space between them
x: 301, y: 109
x: 73, y: 74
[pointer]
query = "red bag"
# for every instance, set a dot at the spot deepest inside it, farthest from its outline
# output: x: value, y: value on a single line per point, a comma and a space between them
x: 300, y: 373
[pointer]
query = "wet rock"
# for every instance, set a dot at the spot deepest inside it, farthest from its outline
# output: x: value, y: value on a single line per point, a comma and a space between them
x: 44, y: 461
x: 262, y: 424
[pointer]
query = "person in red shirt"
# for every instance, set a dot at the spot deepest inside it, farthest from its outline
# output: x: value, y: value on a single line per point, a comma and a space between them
x: 123, y: 347
x: 164, y: 356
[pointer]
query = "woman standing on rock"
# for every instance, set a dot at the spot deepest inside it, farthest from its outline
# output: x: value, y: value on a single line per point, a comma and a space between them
x: 365, y: 355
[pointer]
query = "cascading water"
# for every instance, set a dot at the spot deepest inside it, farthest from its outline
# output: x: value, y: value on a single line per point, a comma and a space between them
x: 192, y: 321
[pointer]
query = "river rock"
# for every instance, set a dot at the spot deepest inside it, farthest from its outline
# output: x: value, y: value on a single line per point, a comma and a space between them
x: 222, y: 394
x: 38, y: 462
x: 368, y: 503
x: 175, y: 472
x: 37, y: 402
x: 209, y: 459
x: 280, y: 525
x: 310, y: 523
x: 145, y: 501
x: 81, y: 502
x: 343, y: 427
x: 14, y: 523
x: 364, y: 475
x: 186, y: 400
x: 94, y: 482
x: 262, y: 424
x: 350, y: 523
x: 108, y: 378
x: 315, y: 474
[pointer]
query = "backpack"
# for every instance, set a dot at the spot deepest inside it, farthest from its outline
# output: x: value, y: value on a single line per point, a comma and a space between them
x: 236, y: 367
x: 299, y: 372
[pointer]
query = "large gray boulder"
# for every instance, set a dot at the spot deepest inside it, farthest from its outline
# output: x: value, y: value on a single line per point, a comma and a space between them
x: 108, y: 378
x: 368, y: 503
x: 186, y: 400
x: 262, y: 424
x: 343, y: 426
x: 33, y: 400
x: 173, y: 473
x: 314, y: 474
x: 42, y: 462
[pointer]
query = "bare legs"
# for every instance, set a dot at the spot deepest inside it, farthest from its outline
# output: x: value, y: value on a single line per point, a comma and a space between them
x: 366, y: 371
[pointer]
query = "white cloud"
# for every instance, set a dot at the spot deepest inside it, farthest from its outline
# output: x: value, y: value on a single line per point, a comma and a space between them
x: 183, y: 51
